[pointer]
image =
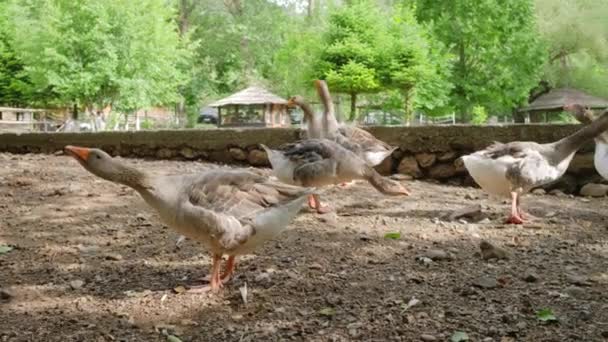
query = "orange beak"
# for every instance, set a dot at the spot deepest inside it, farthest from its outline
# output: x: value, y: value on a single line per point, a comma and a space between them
x: 81, y: 153
x: 291, y: 102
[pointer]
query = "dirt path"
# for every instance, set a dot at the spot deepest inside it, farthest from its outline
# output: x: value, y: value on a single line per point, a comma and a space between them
x: 92, y: 263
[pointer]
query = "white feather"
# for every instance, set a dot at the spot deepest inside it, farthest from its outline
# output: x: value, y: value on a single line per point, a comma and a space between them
x: 282, y: 167
x: 489, y: 173
x: 533, y: 169
x: 375, y: 158
x: 600, y: 159
x: 270, y: 223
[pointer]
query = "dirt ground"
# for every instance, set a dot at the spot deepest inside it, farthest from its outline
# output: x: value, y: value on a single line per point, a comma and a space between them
x: 91, y: 262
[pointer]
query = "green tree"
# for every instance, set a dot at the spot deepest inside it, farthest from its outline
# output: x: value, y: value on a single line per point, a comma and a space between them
x: 415, y: 64
x: 14, y: 83
x: 293, y: 64
x: 93, y: 53
x: 499, y: 56
x: 576, y: 34
x: 349, y: 56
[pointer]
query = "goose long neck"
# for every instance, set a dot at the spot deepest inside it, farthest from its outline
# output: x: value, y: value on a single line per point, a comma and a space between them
x: 330, y: 123
x: 129, y: 176
x: 572, y: 143
x: 579, y: 114
x: 314, y: 131
x: 376, y: 180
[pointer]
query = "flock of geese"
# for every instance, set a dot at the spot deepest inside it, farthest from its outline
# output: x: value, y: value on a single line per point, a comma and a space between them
x: 233, y: 212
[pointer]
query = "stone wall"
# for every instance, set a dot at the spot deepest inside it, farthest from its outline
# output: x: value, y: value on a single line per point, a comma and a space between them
x: 424, y: 152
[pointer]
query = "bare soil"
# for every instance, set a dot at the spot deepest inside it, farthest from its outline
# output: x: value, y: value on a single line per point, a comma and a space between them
x: 91, y: 262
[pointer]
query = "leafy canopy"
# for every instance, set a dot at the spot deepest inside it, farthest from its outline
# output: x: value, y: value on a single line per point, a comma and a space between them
x: 499, y: 55
x: 93, y: 53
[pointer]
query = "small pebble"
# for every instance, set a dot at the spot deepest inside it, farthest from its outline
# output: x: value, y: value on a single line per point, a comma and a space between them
x: 76, y: 284
x: 530, y: 276
x: 427, y: 338
x: 437, y: 254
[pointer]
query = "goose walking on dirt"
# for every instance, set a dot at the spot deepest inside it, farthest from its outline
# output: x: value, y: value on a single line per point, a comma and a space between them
x: 600, y: 157
x: 229, y: 212
x: 320, y: 162
x: 514, y: 168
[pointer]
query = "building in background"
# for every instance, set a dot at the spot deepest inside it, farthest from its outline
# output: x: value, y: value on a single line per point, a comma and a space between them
x: 252, y: 107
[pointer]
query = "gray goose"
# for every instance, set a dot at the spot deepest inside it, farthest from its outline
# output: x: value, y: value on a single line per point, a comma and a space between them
x: 325, y: 126
x: 229, y: 212
x: 514, y: 168
x: 600, y: 157
x: 320, y: 162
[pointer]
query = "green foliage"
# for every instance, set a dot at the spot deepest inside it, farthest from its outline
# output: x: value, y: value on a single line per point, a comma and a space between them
x: 348, y: 60
x: 327, y: 312
x: 5, y: 249
x: 14, y: 82
x: 473, y: 57
x: 546, y: 315
x: 480, y: 115
x: 499, y: 56
x: 293, y: 64
x: 459, y: 336
x: 576, y: 33
x: 392, y: 236
x: 147, y: 124
x: 93, y: 53
x: 415, y: 64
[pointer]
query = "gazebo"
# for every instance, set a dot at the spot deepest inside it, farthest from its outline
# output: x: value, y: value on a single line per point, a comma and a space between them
x: 252, y: 107
x: 554, y: 101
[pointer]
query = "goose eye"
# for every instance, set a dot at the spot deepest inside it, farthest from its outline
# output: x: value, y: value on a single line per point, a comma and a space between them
x: 98, y: 156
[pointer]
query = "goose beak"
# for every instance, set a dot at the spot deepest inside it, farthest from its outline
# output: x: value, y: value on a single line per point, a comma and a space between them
x: 291, y: 103
x: 81, y: 153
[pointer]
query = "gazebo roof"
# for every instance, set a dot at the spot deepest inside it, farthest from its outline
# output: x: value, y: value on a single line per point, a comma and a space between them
x: 249, y: 96
x: 557, y: 98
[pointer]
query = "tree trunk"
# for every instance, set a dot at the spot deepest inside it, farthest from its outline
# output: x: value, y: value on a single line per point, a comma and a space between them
x: 311, y: 5
x: 518, y: 117
x: 353, y: 107
x: 407, y: 96
x: 463, y: 108
x: 186, y: 8
x: 75, y: 111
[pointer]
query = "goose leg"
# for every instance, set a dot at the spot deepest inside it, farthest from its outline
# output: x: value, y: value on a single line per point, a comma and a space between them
x: 520, y: 211
x: 321, y: 209
x: 231, y: 263
x: 311, y: 202
x: 515, y: 217
x: 216, y: 283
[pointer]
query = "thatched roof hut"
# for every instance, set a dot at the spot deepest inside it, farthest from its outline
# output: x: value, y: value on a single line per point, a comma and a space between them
x: 254, y: 106
x: 555, y: 100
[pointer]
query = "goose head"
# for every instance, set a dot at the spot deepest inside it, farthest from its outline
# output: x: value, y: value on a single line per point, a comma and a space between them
x: 579, y: 111
x: 295, y: 100
x: 103, y: 165
x: 389, y: 187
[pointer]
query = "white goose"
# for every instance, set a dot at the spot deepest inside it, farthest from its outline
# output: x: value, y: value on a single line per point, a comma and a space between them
x: 229, y: 212
x: 514, y: 168
x: 600, y: 157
